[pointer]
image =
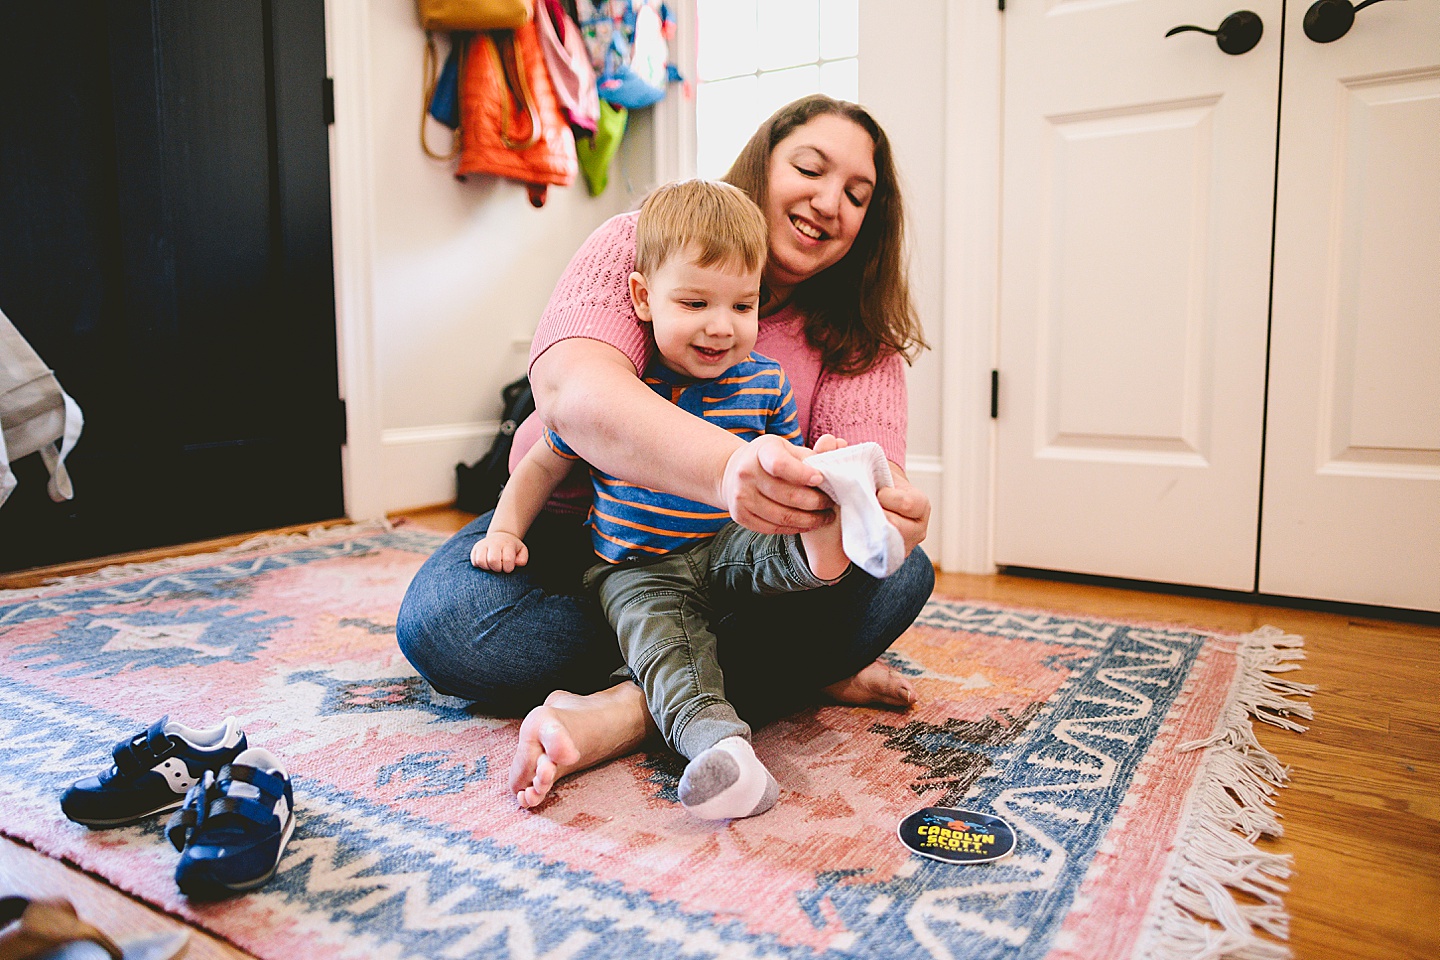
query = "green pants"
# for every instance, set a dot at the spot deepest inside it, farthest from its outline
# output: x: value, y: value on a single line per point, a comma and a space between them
x: 661, y: 610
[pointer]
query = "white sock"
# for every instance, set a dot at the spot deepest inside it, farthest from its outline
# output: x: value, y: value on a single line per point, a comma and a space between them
x: 852, y: 475
x: 727, y: 781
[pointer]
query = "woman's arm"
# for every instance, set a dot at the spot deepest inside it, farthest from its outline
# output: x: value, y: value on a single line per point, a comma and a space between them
x: 589, y: 393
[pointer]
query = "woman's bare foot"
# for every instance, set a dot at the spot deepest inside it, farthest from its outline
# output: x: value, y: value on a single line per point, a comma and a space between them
x: 876, y: 684
x: 570, y: 732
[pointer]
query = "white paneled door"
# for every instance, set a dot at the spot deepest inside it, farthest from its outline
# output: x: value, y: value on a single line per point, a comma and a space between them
x: 1139, y: 173
x: 1352, y: 451
x: 1141, y: 198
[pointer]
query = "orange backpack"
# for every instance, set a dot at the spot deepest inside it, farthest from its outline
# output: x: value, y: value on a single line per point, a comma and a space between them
x: 510, y: 120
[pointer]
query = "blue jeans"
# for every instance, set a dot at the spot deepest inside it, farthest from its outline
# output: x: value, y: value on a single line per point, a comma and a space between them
x: 506, y: 640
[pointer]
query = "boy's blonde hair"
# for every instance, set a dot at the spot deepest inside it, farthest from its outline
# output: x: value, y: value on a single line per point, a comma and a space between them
x: 721, y: 221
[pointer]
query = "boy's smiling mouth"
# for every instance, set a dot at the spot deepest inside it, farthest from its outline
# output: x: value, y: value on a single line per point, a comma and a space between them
x: 711, y: 353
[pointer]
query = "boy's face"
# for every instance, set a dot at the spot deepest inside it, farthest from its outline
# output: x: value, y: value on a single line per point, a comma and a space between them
x: 704, y: 319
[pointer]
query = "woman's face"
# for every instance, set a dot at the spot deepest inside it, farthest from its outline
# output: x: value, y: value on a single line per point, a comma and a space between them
x: 821, y: 178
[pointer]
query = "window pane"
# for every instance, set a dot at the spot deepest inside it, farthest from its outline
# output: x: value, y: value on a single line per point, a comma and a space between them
x: 725, y: 115
x: 841, y: 79
x: 728, y: 38
x: 789, y: 33
x: 782, y: 86
x: 839, y: 29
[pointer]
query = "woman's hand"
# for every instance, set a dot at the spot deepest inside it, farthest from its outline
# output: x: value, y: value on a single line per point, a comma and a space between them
x: 499, y: 552
x: 767, y: 488
x: 907, y: 508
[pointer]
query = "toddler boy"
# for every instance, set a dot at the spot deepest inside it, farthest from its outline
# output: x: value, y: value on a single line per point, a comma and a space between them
x: 700, y: 249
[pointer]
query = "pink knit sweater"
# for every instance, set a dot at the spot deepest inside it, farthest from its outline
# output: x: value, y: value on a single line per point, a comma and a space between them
x: 592, y: 299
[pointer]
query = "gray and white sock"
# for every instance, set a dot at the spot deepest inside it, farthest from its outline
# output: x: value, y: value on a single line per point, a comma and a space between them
x: 728, y: 781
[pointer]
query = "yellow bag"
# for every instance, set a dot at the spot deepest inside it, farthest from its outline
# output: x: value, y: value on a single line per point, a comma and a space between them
x: 475, y: 14
x: 461, y: 16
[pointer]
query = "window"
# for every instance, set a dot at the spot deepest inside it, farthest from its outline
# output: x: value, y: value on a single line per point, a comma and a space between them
x: 757, y: 55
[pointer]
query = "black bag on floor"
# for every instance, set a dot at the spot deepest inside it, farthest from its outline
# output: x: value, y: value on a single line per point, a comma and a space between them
x: 477, y: 487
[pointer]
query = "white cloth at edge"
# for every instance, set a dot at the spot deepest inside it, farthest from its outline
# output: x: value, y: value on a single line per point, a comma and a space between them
x: 35, y: 414
x: 852, y: 475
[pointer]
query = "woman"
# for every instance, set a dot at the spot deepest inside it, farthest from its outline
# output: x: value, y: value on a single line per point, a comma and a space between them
x: 838, y: 316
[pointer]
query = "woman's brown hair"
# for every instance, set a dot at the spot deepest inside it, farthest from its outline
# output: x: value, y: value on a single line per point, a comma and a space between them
x: 859, y: 309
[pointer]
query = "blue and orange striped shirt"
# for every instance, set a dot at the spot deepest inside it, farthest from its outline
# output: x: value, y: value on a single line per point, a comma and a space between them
x: 628, y: 520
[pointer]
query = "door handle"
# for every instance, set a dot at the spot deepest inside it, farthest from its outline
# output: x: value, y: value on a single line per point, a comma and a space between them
x: 1328, y: 20
x: 1239, y: 32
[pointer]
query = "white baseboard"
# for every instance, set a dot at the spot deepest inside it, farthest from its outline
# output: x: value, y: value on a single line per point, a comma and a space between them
x: 418, y: 463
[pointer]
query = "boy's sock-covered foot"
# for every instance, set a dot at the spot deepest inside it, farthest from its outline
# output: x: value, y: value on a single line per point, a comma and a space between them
x: 727, y: 781
x: 852, y: 475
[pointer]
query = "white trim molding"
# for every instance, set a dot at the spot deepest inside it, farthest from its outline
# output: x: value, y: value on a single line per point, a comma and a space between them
x: 440, y: 433
x: 418, y: 463
x: 973, y: 130
x: 351, y: 207
x: 674, y: 117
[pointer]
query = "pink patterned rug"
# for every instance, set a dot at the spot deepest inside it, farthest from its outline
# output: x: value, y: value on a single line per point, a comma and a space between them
x: 1122, y: 754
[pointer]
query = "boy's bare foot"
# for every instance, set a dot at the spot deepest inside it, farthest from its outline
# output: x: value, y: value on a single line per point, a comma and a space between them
x: 570, y: 732
x: 876, y: 684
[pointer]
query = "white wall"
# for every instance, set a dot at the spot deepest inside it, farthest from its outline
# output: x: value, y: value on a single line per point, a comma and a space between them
x: 441, y: 282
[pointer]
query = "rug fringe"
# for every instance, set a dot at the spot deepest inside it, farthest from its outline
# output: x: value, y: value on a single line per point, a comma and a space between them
x: 1233, y: 801
x: 256, y: 544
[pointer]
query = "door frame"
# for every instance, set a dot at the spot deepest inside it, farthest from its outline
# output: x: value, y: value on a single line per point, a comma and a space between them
x: 971, y: 307
x: 352, y: 195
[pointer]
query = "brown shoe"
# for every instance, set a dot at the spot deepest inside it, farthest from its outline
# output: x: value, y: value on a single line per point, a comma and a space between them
x: 51, y: 930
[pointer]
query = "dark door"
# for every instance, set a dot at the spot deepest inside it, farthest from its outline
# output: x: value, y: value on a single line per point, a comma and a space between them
x: 165, y: 246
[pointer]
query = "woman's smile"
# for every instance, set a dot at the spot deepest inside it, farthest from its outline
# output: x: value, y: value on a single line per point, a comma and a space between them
x: 807, y: 229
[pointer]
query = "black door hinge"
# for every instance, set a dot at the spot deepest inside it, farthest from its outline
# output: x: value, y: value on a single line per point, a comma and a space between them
x: 343, y: 424
x: 994, y: 394
x: 1002, y: 6
x: 329, y: 96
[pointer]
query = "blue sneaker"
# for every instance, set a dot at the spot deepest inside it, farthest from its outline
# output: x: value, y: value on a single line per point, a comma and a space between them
x: 233, y: 828
x: 152, y: 772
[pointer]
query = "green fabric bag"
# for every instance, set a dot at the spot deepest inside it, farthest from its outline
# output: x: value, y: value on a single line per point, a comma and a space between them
x: 595, y: 153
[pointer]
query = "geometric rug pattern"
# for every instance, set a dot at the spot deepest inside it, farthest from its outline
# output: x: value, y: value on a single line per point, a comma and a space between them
x: 1121, y: 753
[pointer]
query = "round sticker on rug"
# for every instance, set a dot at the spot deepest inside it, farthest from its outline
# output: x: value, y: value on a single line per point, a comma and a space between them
x: 957, y: 836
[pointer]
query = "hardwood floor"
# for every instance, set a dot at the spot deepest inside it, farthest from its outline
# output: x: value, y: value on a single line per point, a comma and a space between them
x: 1362, y: 813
